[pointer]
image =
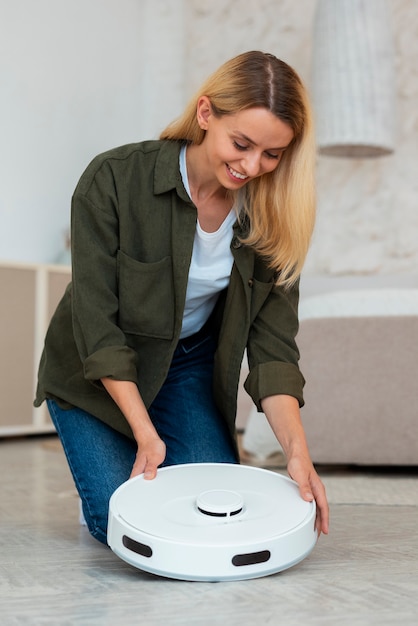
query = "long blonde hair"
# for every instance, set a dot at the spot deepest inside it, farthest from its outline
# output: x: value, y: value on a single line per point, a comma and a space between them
x: 280, y: 205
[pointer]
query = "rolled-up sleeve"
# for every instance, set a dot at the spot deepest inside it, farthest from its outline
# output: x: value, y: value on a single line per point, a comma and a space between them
x: 272, y: 351
x: 112, y: 362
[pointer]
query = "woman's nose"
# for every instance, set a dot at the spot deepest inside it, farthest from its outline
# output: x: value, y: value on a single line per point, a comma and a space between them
x: 252, y: 164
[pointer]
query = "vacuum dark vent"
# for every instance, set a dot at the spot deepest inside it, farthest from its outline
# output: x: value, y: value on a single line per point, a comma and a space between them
x: 135, y: 546
x: 251, y: 558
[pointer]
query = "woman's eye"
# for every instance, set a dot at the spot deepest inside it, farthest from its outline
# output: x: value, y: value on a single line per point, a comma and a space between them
x: 239, y: 146
x: 269, y: 155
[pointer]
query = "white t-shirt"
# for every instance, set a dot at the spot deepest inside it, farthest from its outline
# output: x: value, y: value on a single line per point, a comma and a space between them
x: 210, y: 267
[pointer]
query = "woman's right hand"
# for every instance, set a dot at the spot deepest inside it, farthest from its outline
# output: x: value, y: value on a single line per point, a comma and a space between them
x: 151, y: 449
x: 149, y: 456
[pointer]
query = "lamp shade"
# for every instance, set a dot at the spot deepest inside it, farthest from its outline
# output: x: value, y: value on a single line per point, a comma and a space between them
x: 353, y: 78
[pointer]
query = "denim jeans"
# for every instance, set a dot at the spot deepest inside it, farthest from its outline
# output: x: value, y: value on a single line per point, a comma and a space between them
x: 184, y: 415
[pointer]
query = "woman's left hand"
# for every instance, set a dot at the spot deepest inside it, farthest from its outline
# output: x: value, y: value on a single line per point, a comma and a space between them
x: 302, y: 471
x: 283, y: 414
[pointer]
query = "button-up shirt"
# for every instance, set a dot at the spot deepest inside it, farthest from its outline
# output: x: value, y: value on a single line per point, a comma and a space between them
x: 133, y: 227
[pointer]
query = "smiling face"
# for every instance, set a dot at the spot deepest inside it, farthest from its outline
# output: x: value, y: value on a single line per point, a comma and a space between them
x: 242, y: 146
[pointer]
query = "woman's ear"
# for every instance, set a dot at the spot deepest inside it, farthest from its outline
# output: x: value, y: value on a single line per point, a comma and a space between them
x: 203, y: 112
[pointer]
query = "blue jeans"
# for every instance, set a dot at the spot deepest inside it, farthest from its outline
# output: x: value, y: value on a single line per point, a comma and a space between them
x: 184, y: 415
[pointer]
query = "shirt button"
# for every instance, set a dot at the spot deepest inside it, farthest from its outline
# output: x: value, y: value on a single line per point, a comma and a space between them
x: 250, y: 282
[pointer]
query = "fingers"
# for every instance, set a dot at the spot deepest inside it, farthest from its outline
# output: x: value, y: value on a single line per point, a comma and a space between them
x: 316, y: 491
x: 150, y: 471
x: 306, y: 492
x: 145, y: 465
x: 322, y: 515
x: 148, y: 459
x: 311, y: 488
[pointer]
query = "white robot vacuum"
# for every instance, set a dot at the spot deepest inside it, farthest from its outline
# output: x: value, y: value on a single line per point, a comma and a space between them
x: 211, y: 522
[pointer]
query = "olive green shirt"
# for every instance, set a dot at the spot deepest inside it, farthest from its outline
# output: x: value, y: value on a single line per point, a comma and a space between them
x: 133, y: 227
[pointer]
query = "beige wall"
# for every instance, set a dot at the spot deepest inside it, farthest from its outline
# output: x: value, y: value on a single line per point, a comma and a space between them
x: 30, y: 294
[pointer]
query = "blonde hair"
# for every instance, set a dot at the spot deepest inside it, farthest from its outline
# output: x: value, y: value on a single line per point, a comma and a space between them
x: 280, y: 205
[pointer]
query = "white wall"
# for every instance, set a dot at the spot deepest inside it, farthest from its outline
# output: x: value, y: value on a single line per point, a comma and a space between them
x: 82, y: 76
x: 77, y: 77
x: 367, y: 209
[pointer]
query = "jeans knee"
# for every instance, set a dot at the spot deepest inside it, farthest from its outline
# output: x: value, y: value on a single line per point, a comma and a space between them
x: 98, y: 533
x: 96, y: 525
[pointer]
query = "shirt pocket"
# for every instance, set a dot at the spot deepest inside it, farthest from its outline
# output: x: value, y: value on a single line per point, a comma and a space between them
x: 146, y: 297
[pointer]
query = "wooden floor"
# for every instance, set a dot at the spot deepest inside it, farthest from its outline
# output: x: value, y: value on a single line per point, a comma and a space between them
x: 52, y: 573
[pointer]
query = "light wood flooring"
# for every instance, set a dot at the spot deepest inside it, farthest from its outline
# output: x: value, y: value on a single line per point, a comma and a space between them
x: 52, y: 573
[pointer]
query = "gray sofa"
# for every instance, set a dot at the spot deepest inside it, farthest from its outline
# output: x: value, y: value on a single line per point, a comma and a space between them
x: 359, y: 357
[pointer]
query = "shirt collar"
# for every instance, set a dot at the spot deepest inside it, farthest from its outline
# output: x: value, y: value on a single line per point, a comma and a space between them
x: 167, y: 170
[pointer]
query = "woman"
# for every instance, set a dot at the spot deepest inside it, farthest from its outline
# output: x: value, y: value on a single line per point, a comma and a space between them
x: 186, y: 251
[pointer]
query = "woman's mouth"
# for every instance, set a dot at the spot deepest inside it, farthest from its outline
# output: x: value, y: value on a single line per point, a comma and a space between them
x: 236, y: 174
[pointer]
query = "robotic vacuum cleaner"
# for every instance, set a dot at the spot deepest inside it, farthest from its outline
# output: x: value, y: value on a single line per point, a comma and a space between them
x: 211, y: 522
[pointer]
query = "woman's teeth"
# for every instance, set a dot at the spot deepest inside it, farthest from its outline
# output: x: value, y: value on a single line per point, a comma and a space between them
x: 237, y: 174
